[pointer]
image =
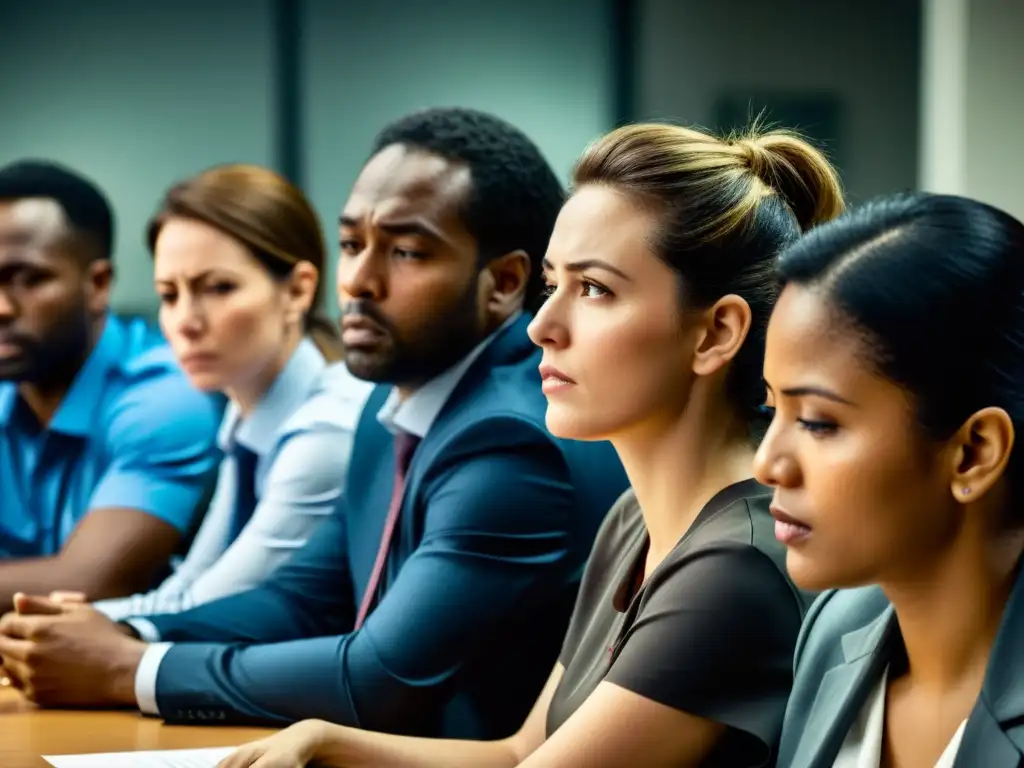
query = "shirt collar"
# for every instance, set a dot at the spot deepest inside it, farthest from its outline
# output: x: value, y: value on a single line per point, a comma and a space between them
x: 78, y: 409
x: 290, y: 389
x: 8, y: 397
x: 417, y: 414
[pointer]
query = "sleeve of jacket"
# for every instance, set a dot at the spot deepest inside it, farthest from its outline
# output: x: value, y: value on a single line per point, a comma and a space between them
x: 495, y: 541
x: 310, y: 594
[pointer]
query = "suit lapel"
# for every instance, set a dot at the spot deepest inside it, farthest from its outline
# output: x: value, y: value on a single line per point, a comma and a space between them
x: 843, y: 690
x: 509, y: 349
x: 994, y: 736
x: 985, y: 743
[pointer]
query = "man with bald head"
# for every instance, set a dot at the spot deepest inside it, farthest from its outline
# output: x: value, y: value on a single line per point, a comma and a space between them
x: 105, y: 448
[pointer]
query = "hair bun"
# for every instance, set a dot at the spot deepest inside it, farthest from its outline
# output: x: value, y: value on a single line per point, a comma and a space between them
x: 798, y: 172
x: 756, y: 159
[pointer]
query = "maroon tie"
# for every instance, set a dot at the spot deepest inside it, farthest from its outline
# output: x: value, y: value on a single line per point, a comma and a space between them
x: 405, y: 446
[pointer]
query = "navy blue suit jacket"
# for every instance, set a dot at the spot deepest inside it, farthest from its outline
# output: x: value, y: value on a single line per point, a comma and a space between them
x: 497, y: 521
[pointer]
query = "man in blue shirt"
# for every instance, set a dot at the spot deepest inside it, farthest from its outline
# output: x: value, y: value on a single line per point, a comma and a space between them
x: 105, y: 448
x: 435, y: 601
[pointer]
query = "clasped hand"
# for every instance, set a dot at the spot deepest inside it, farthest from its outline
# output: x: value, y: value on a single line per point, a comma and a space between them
x: 68, y: 654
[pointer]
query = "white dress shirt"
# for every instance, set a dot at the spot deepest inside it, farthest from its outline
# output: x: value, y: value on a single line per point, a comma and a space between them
x: 862, y: 747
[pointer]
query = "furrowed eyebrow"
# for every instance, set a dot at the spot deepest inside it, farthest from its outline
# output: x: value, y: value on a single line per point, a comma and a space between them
x: 584, y: 264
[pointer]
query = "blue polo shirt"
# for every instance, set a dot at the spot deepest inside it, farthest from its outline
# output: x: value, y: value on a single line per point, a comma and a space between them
x: 131, y: 432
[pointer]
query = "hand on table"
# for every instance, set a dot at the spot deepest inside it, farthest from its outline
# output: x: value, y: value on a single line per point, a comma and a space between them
x: 68, y: 654
x: 293, y: 747
x: 63, y: 597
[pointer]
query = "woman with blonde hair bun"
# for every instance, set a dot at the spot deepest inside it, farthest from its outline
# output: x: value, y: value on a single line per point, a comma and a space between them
x: 660, y: 276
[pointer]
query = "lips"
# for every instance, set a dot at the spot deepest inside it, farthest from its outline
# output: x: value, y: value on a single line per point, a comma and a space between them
x: 359, y: 330
x: 790, y: 530
x: 193, y: 359
x: 10, y: 348
x: 550, y: 373
x: 554, y: 381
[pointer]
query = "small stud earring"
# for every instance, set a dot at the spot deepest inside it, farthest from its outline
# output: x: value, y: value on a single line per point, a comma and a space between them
x: 967, y: 491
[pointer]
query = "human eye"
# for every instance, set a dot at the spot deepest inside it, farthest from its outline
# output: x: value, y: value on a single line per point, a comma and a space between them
x: 220, y: 288
x: 350, y: 246
x: 406, y: 253
x: 592, y: 290
x: 818, y: 427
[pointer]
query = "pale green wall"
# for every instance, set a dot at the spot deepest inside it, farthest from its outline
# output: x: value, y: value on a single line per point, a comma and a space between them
x: 542, y: 65
x: 995, y: 104
x: 138, y: 93
x: 862, y: 53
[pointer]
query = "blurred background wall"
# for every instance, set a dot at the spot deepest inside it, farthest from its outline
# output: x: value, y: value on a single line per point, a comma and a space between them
x: 139, y: 93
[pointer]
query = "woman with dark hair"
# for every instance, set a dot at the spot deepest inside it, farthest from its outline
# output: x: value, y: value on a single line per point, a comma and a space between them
x: 660, y: 283
x: 895, y: 364
x: 238, y: 255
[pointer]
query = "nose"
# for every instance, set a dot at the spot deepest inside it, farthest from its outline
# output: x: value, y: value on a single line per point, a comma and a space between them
x: 361, y: 276
x: 184, y: 318
x: 774, y: 464
x: 8, y: 309
x: 548, y: 328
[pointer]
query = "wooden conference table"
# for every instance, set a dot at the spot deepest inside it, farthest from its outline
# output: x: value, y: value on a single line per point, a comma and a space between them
x: 27, y: 733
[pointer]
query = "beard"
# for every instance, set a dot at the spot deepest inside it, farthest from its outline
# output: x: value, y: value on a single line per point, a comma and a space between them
x: 53, y: 360
x: 410, y: 360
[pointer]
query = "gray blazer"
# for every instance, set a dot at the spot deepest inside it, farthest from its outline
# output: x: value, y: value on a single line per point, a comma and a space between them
x: 848, y: 638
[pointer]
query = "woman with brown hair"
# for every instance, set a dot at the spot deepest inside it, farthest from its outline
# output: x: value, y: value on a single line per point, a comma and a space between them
x: 660, y: 277
x: 238, y: 254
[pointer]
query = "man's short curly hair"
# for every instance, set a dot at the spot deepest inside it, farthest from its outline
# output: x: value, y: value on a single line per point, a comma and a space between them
x: 515, y: 195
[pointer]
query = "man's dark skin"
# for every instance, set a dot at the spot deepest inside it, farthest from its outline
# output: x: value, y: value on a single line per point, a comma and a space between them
x: 54, y: 295
x: 410, y: 277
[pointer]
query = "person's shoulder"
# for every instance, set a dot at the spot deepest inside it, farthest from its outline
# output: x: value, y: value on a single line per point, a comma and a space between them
x: 621, y: 527
x: 497, y: 405
x: 732, y: 543
x: 508, y: 391
x: 737, y: 517
x: 144, y: 353
x: 623, y: 521
x: 835, y: 614
x: 503, y: 380
x: 841, y: 625
x: 150, y: 391
x: 503, y: 391
x: 335, y: 403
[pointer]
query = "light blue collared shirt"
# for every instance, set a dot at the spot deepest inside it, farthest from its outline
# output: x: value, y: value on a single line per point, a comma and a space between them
x: 131, y: 432
x: 414, y: 415
x: 301, y: 432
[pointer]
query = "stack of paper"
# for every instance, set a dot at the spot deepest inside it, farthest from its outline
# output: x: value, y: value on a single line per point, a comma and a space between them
x: 173, y: 758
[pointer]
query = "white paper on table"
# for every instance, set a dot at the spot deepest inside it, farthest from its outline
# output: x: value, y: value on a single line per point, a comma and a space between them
x: 170, y: 758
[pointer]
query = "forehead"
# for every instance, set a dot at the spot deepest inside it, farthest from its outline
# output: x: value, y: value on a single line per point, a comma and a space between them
x: 808, y: 342
x: 31, y: 221
x: 188, y: 247
x: 600, y: 221
x: 399, y: 182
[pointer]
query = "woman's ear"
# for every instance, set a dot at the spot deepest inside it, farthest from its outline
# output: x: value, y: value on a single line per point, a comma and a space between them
x: 302, y: 285
x: 981, y: 451
x: 726, y: 325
